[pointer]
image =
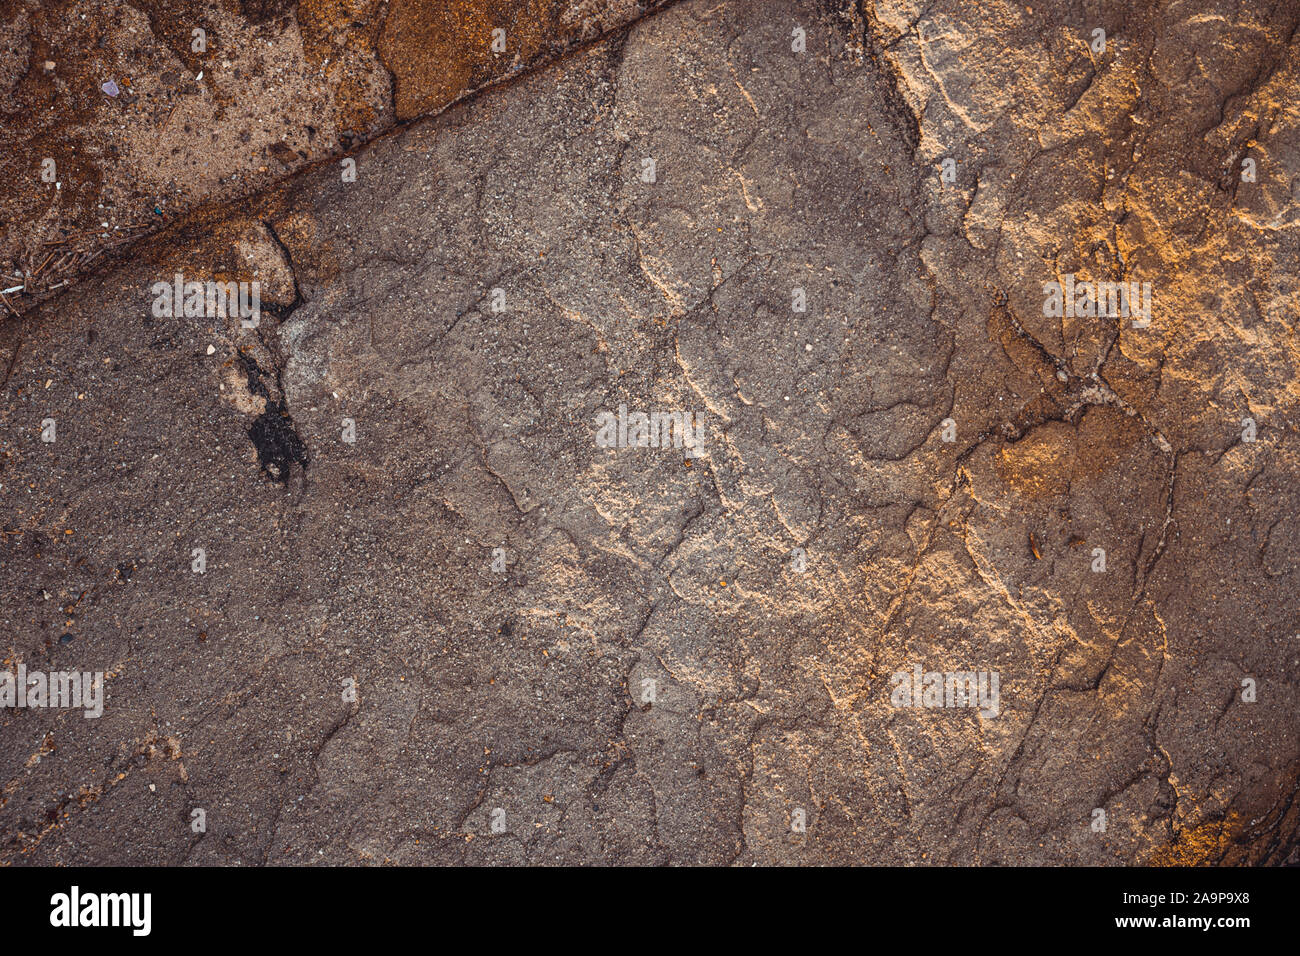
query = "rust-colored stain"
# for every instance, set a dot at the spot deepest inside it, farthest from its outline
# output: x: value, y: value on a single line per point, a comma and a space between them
x: 437, y: 52
x: 1204, y: 845
x: 333, y: 27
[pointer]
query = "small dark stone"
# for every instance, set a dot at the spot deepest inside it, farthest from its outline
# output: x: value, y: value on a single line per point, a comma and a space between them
x: 283, y: 153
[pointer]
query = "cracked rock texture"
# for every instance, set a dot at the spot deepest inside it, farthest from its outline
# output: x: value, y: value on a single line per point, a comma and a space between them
x: 262, y: 88
x: 522, y: 697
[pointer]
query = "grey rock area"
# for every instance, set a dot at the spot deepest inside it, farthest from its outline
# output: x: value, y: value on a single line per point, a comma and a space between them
x: 651, y: 679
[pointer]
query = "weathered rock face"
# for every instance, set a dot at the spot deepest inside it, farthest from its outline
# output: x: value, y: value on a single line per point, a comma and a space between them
x: 211, y: 102
x: 697, y: 655
x: 437, y: 52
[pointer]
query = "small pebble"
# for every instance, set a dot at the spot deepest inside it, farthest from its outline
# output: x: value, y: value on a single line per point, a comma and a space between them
x: 110, y: 88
